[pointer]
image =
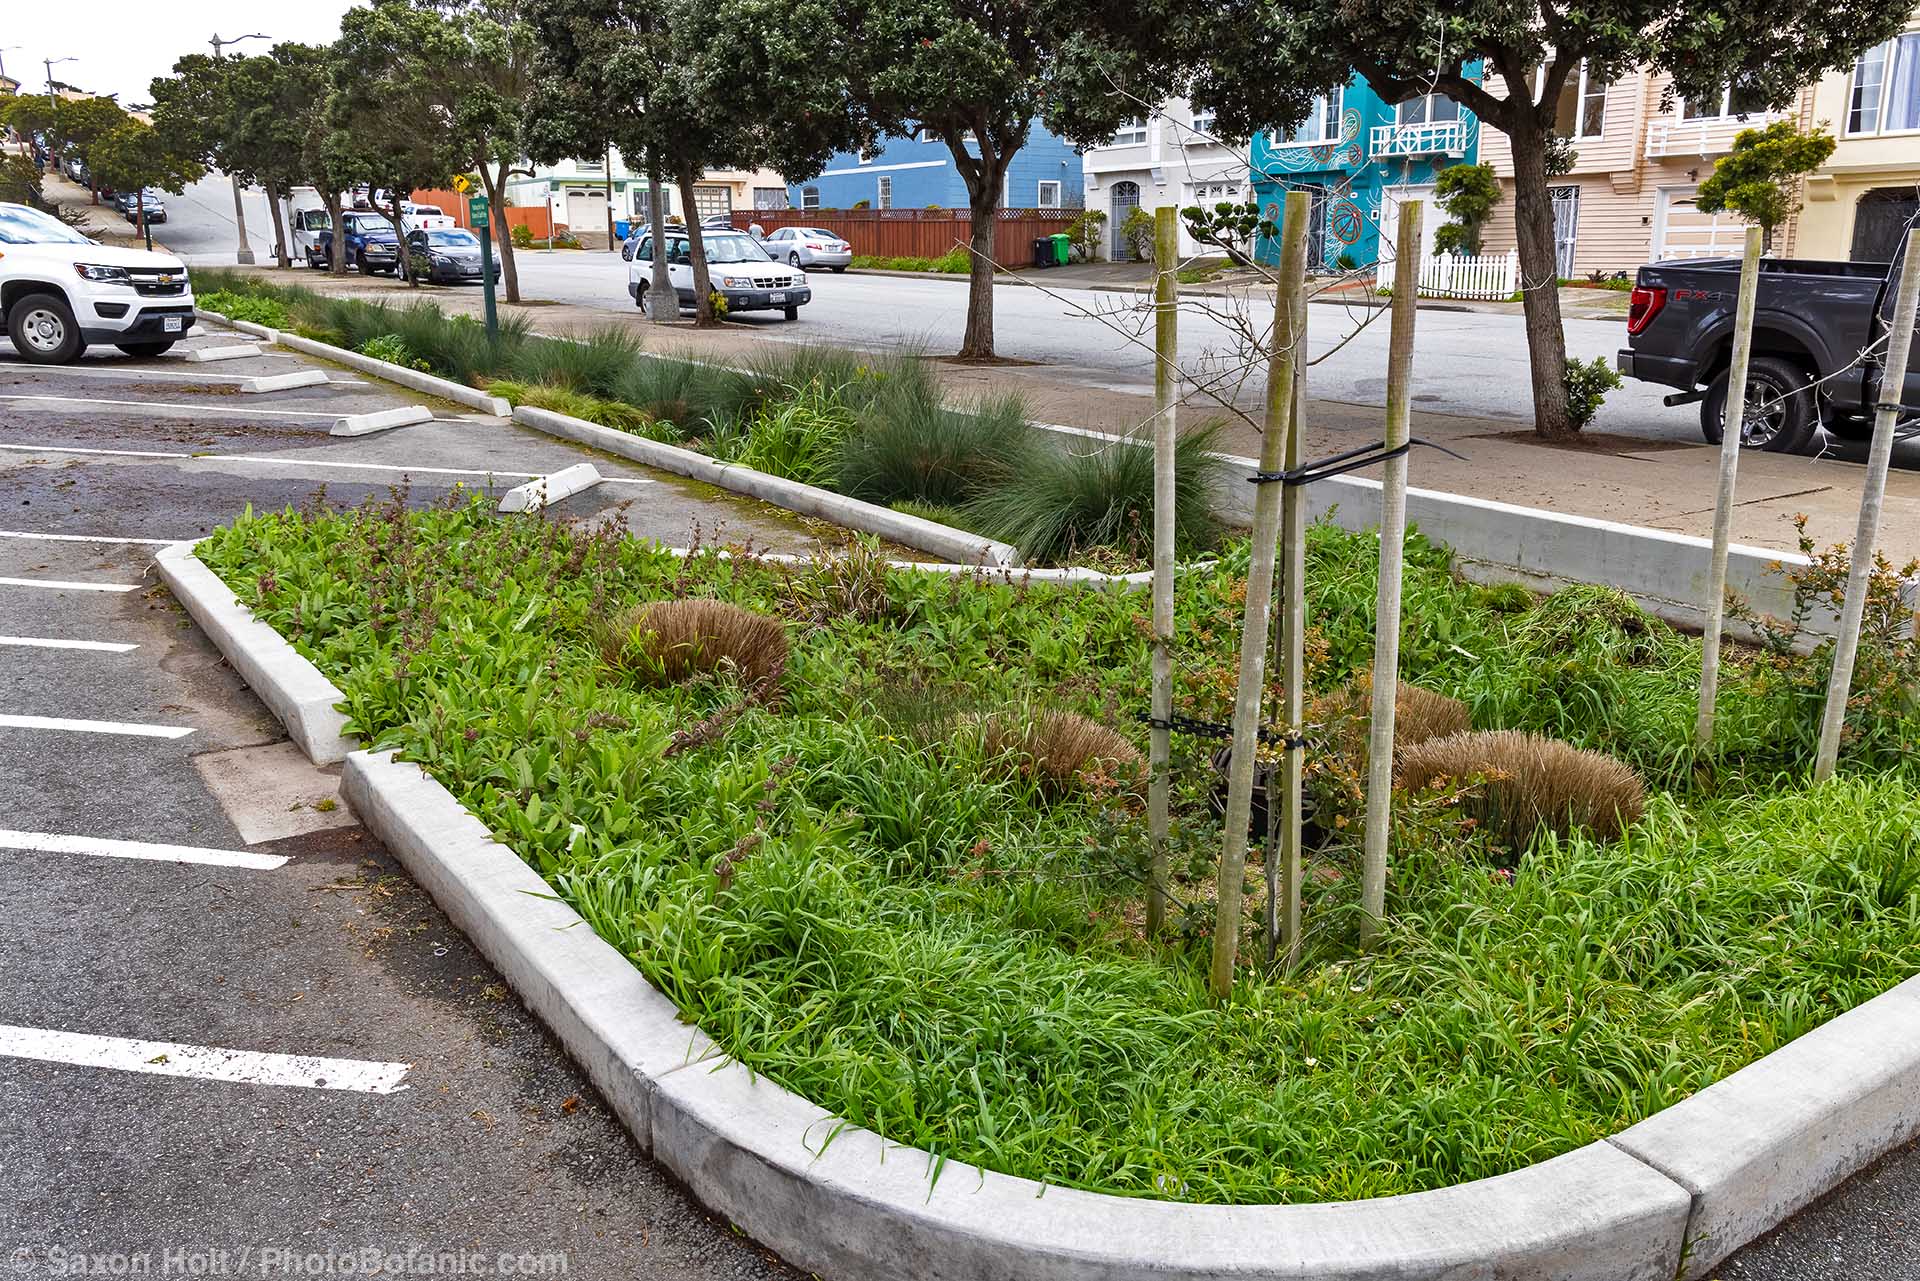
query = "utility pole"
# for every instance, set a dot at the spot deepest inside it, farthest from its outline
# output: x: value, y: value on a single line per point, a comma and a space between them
x: 53, y: 157
x: 245, y: 255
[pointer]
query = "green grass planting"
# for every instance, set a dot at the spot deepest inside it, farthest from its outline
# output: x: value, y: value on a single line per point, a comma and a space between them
x: 829, y: 872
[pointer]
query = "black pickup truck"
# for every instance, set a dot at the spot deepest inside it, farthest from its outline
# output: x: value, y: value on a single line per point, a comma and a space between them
x: 1818, y: 333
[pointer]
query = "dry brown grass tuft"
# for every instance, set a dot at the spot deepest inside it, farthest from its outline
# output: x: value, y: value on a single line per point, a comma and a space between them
x: 673, y: 640
x: 1418, y: 715
x: 1532, y: 782
x: 1062, y: 750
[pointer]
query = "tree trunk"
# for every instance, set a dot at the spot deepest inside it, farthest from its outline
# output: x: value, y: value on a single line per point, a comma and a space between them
x: 663, y: 305
x: 496, y: 185
x: 280, y: 251
x: 983, y: 203
x: 1540, y: 280
x: 703, y: 317
x: 336, y: 219
x: 400, y: 238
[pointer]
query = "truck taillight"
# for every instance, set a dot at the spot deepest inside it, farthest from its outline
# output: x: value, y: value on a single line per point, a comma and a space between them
x: 1643, y: 305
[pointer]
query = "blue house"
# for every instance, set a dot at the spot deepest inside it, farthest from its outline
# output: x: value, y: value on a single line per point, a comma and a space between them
x: 914, y: 172
x: 1360, y: 158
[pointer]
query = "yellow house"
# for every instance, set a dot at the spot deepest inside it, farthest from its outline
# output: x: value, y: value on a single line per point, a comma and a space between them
x: 1641, y: 153
x: 1857, y: 205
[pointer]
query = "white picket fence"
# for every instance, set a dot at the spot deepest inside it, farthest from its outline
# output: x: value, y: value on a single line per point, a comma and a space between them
x: 1457, y: 276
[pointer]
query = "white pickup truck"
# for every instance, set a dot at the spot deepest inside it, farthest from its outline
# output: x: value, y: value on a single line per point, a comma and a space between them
x: 61, y: 292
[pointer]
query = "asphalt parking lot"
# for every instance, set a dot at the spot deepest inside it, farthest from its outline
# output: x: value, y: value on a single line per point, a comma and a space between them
x: 232, y: 1031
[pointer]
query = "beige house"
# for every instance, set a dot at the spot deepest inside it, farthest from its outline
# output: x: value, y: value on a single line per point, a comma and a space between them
x: 1629, y: 197
x: 1857, y: 205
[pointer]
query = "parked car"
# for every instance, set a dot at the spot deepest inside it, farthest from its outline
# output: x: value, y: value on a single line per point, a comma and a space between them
x: 737, y: 267
x: 451, y: 255
x: 61, y: 292
x: 1812, y: 321
x: 810, y: 247
x: 371, y: 245
x: 128, y: 203
x: 717, y: 222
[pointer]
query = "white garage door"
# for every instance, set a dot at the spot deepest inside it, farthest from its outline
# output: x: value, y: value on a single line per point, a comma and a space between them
x: 1682, y: 231
x: 586, y: 211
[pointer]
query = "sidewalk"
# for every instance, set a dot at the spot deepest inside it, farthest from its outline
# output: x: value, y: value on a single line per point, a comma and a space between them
x: 1666, y: 485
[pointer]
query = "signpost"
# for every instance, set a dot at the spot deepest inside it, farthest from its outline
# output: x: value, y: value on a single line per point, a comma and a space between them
x: 478, y: 214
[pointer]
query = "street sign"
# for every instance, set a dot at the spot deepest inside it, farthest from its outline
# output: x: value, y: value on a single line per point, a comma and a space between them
x: 477, y: 210
x: 461, y: 184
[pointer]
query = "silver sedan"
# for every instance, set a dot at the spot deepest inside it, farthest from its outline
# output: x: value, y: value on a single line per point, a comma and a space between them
x: 809, y: 247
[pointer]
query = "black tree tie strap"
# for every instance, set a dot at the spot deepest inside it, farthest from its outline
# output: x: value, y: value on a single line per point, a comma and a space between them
x: 1351, y: 460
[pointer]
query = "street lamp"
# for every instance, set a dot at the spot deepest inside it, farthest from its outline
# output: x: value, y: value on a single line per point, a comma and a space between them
x: 53, y: 160
x: 245, y: 256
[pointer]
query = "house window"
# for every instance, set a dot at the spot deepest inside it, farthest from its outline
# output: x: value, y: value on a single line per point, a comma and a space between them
x: 1131, y: 134
x: 1322, y: 124
x: 885, y: 200
x: 809, y: 197
x: 1049, y: 196
x: 1203, y: 125
x: 1431, y: 109
x: 1886, y: 87
x: 591, y: 168
x: 769, y: 197
x: 643, y: 207
x: 1581, y: 112
x: 1728, y: 102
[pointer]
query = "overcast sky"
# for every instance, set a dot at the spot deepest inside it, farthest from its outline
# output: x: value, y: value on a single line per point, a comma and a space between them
x: 119, y: 46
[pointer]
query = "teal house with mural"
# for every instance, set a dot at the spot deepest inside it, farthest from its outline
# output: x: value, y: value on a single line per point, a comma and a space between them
x: 1360, y: 158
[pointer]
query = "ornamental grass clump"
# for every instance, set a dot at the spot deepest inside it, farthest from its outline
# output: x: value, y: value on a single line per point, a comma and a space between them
x: 1061, y: 751
x: 670, y: 641
x: 910, y: 448
x: 1419, y: 714
x: 1531, y: 783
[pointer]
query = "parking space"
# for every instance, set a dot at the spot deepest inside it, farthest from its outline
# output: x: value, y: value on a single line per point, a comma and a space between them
x: 227, y: 1019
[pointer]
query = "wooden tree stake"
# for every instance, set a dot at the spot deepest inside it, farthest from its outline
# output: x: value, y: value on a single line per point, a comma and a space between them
x: 1731, y: 425
x: 1166, y: 396
x: 1393, y: 537
x: 1893, y: 379
x: 1288, y: 351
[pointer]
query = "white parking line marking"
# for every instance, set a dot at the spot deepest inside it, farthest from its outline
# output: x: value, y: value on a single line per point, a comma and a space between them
x: 197, y: 409
x: 298, y: 462
x: 128, y: 374
x: 64, y: 585
x: 55, y: 843
x: 132, y: 728
x: 86, y: 538
x: 48, y: 642
x: 204, y: 1062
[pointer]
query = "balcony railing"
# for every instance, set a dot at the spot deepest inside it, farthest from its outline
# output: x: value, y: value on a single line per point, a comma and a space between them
x: 1428, y: 138
x: 1711, y: 137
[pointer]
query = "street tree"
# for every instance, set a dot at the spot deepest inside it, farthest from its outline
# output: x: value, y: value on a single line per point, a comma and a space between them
x: 388, y: 116
x: 136, y: 156
x: 1260, y: 64
x: 79, y: 123
x: 1760, y: 178
x: 976, y: 75
x: 1468, y: 193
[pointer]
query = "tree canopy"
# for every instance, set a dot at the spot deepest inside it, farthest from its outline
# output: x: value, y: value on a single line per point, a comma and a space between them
x: 1760, y: 178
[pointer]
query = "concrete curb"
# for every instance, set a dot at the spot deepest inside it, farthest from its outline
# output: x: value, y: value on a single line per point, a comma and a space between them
x: 293, y: 689
x: 413, y: 378
x: 545, y: 491
x: 381, y: 420
x: 1072, y: 576
x: 244, y: 326
x: 286, y: 382
x: 1689, y: 1184
x: 205, y: 355
x: 941, y: 540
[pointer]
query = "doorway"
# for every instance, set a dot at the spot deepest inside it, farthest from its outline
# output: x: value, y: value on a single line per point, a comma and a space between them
x: 1566, y: 228
x: 1125, y: 199
x: 1880, y: 223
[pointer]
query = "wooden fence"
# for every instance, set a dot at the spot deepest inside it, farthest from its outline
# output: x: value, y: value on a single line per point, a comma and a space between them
x: 1454, y: 276
x: 535, y: 218
x: 918, y: 233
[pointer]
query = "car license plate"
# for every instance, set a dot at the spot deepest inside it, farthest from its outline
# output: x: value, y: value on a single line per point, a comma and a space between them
x: 776, y: 297
x: 171, y: 324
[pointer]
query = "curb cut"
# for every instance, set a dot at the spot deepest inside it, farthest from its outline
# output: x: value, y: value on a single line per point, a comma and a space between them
x: 294, y: 690
x: 941, y: 540
x: 1714, y: 1170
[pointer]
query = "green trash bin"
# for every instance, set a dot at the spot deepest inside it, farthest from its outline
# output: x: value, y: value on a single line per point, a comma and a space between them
x: 1062, y: 247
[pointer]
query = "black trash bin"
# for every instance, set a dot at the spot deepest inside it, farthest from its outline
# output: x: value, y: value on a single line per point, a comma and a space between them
x: 1043, y: 252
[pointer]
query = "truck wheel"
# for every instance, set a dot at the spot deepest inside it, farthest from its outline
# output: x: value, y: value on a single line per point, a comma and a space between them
x: 43, y: 330
x: 1779, y: 417
x: 146, y: 348
x: 366, y: 268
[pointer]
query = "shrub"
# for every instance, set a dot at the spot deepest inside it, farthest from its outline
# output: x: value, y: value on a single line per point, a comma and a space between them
x: 1085, y: 234
x: 1065, y: 499
x: 910, y: 447
x: 671, y: 641
x: 248, y: 307
x: 1137, y: 228
x: 521, y: 236
x: 1588, y: 382
x: 797, y: 435
x: 394, y: 350
x: 1530, y: 782
x: 1060, y: 750
x: 862, y: 204
x: 848, y: 582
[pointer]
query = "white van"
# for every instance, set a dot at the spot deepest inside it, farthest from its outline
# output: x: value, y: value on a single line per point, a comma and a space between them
x: 737, y: 267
